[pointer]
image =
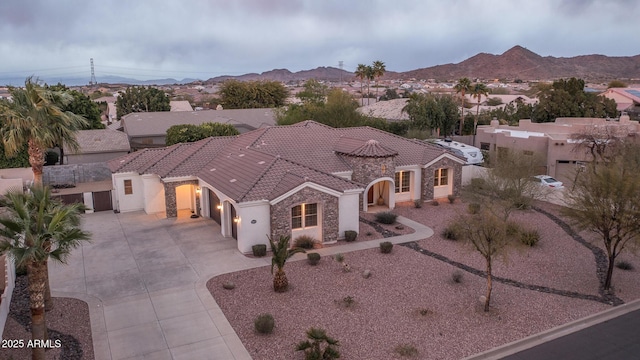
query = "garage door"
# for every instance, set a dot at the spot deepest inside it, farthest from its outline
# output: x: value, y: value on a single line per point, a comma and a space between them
x: 102, y: 201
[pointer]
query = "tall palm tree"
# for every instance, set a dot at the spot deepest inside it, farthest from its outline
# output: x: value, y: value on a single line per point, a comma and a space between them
x: 34, y: 117
x: 477, y: 91
x: 463, y: 85
x: 34, y: 229
x: 281, y: 253
x: 361, y: 73
x: 378, y: 71
x: 370, y: 76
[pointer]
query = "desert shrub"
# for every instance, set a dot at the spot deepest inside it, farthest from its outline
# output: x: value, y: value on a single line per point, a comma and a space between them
x: 338, y: 257
x: 228, y: 285
x: 424, y: 311
x: 456, y: 277
x: 259, y: 250
x: 452, y: 232
x: 473, y: 208
x: 264, y: 324
x: 451, y: 198
x: 417, y: 203
x: 347, y: 301
x: 435, y: 202
x: 529, y: 237
x: 386, y: 217
x: 304, y: 241
x: 313, y: 258
x: 513, y: 228
x: 319, y: 346
x: 406, y: 350
x: 477, y: 183
x: 624, y: 265
x: 369, y: 233
x: 51, y: 157
x: 386, y: 247
x: 350, y: 235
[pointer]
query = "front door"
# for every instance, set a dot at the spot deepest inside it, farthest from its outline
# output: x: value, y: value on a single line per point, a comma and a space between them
x: 370, y: 196
x: 234, y: 224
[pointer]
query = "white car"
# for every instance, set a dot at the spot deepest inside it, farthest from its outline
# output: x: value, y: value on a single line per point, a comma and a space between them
x: 548, y: 181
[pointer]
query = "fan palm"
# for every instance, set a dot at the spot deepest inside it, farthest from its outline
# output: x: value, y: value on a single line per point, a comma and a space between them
x: 34, y: 117
x: 362, y: 73
x: 281, y: 253
x: 463, y: 85
x: 33, y: 229
x: 378, y: 71
x: 477, y: 91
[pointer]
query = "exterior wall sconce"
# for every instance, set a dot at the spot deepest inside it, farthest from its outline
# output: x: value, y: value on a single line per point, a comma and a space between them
x: 383, y: 167
x: 198, y: 190
x: 236, y: 219
x: 219, y: 207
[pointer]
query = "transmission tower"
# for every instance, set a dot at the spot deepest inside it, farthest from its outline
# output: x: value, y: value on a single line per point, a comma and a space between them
x: 93, y: 75
x: 340, y: 65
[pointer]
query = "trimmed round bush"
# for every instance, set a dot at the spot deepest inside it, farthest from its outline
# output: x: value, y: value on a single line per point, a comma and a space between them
x: 264, y: 324
x: 624, y: 265
x: 451, y: 232
x: 386, y: 247
x: 313, y: 258
x: 473, y: 208
x: 350, y: 235
x: 259, y: 250
x: 529, y: 237
x: 417, y: 203
x: 304, y: 241
x: 386, y: 217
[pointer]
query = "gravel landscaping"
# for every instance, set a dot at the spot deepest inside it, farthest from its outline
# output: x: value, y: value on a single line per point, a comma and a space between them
x: 411, y: 298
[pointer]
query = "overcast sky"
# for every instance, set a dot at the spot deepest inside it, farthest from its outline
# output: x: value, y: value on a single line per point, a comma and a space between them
x: 205, y: 38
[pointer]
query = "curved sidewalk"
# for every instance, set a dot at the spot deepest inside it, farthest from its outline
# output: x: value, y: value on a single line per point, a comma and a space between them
x: 144, y: 278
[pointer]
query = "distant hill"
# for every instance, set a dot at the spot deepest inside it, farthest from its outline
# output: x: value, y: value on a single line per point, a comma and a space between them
x: 520, y: 63
x: 285, y: 76
x: 80, y: 81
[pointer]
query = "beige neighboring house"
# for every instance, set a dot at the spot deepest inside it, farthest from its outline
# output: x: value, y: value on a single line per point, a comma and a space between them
x: 302, y: 179
x: 627, y: 99
x: 149, y: 129
x: 552, y: 142
x: 180, y: 105
x: 97, y: 146
x: 390, y: 110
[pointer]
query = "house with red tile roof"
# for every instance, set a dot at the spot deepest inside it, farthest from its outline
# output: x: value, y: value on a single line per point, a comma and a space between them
x: 302, y: 179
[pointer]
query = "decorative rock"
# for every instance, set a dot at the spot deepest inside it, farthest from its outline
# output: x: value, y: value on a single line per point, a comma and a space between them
x: 482, y: 299
x: 229, y: 285
x: 366, y: 274
x: 346, y: 267
x: 400, y: 227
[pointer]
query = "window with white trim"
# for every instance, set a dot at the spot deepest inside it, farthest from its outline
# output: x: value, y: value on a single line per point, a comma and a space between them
x: 441, y: 177
x: 128, y: 187
x: 303, y: 216
x: 403, y: 181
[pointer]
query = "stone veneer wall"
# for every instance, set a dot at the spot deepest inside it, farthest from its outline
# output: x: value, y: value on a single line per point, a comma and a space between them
x: 281, y: 213
x: 170, y: 196
x: 367, y: 169
x: 428, y: 172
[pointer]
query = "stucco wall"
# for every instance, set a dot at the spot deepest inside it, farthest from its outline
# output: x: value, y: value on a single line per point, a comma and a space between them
x: 153, y: 194
x: 348, y: 214
x: 254, y: 225
x: 131, y: 202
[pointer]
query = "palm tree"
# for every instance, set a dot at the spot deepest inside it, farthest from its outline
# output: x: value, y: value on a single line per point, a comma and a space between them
x: 361, y: 73
x: 370, y: 76
x: 319, y: 345
x: 34, y: 117
x: 281, y: 253
x: 34, y: 229
x: 378, y: 71
x: 461, y: 88
x: 477, y: 91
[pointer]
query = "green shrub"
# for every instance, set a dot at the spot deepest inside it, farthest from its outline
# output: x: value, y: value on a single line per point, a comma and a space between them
x: 386, y: 247
x: 417, y: 203
x: 348, y: 301
x: 259, y: 250
x: 529, y: 237
x: 350, y: 235
x: 51, y: 157
x: 473, y: 208
x: 477, y: 183
x: 313, y: 258
x: 406, y: 350
x: 456, y: 277
x: 624, y: 265
x: 304, y: 241
x: 424, y: 311
x: 513, y: 228
x: 452, y: 232
x: 435, y: 202
x: 264, y: 324
x: 386, y: 217
x: 338, y: 257
x: 319, y: 346
x: 451, y: 198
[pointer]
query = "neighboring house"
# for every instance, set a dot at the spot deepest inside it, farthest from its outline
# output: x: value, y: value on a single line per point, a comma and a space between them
x: 390, y: 110
x: 627, y: 99
x: 97, y: 146
x: 180, y: 105
x: 552, y: 142
x: 149, y: 129
x: 306, y: 178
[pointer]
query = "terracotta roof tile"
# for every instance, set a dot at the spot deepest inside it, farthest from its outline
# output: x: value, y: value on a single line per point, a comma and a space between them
x: 370, y: 148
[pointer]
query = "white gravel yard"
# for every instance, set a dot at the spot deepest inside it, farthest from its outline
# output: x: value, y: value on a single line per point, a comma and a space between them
x: 411, y: 298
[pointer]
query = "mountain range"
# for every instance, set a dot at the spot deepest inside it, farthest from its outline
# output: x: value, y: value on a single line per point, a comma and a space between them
x: 516, y: 63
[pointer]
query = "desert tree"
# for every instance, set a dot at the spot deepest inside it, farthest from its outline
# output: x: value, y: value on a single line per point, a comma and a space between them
x: 34, y: 229
x: 478, y: 90
x: 604, y: 200
x: 462, y: 87
x: 378, y: 69
x: 281, y: 253
x: 362, y: 73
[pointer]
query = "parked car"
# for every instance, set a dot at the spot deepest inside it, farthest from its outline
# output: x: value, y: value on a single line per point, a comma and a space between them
x: 471, y: 153
x: 548, y: 181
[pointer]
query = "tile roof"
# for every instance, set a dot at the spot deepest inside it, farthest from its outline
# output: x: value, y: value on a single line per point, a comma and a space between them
x: 266, y: 163
x: 100, y: 141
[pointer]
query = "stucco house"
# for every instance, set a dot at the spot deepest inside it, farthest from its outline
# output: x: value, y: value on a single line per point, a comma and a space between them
x: 306, y: 178
x: 97, y: 145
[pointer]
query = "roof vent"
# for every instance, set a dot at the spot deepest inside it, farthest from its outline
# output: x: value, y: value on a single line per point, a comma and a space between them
x: 240, y: 155
x: 233, y: 180
x: 214, y: 169
x: 260, y: 162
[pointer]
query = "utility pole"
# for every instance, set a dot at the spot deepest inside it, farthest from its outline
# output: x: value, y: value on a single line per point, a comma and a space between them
x: 340, y: 65
x: 93, y: 76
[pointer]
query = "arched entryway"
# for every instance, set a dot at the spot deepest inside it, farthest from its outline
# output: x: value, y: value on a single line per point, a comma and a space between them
x: 379, y: 195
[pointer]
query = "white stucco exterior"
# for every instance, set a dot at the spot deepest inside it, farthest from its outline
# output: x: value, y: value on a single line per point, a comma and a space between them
x: 128, y: 202
x: 154, y: 201
x: 348, y: 213
x: 254, y: 224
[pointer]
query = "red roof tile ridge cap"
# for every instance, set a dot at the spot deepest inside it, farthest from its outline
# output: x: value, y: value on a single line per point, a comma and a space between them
x: 321, y: 172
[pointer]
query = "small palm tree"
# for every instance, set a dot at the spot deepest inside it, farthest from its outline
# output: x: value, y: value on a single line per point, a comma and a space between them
x: 281, y: 253
x: 463, y: 85
x: 477, y: 91
x: 34, y: 117
x: 313, y: 347
x: 361, y: 73
x: 378, y: 71
x: 33, y: 229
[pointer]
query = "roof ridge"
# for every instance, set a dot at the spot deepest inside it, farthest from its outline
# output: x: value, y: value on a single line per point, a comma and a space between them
x: 133, y: 156
x: 169, y: 150
x: 319, y: 171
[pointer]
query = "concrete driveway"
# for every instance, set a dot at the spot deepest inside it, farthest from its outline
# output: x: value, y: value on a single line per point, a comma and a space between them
x: 144, y: 278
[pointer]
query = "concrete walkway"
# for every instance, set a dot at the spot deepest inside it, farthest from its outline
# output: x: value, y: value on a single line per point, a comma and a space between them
x: 144, y: 278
